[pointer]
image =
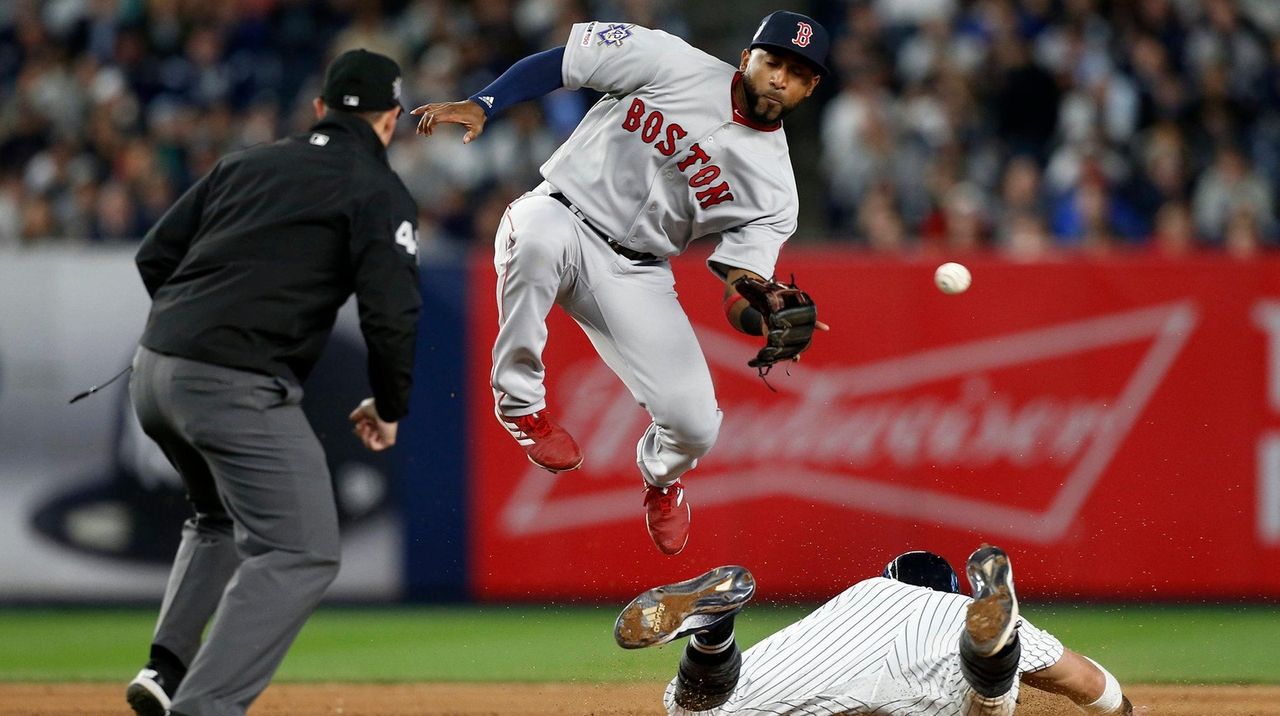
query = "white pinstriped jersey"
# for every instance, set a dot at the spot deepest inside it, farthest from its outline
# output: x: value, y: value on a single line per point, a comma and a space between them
x: 664, y: 158
x: 879, y: 647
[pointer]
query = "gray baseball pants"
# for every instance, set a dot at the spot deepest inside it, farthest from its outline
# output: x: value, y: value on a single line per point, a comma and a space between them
x: 263, y: 545
x: 545, y: 256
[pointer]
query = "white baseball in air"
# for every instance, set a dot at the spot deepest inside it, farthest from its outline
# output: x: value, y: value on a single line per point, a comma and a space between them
x: 952, y: 278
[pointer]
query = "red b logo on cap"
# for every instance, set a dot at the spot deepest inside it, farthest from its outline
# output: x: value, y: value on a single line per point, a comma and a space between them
x: 803, y: 32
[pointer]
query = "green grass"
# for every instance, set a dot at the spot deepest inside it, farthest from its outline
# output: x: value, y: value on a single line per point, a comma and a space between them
x: 1171, y: 644
x: 530, y: 643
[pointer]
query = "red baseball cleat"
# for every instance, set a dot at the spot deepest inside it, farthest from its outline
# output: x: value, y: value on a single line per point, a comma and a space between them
x: 548, y: 445
x: 667, y: 517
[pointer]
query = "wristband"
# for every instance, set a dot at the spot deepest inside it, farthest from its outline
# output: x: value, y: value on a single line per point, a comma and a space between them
x: 1111, y: 699
x: 750, y: 320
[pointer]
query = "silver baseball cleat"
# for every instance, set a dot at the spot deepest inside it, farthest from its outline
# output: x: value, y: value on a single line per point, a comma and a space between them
x: 669, y: 612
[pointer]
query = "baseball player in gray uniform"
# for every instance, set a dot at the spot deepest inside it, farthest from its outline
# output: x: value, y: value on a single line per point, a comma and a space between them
x: 682, y: 146
x: 906, y: 643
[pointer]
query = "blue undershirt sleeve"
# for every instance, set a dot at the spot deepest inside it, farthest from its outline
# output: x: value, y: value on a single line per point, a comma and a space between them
x: 534, y: 76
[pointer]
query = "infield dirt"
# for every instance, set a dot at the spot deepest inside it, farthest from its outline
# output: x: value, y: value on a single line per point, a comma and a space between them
x: 333, y: 699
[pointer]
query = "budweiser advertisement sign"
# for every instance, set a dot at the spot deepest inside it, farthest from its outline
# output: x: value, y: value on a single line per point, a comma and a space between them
x: 1114, y: 426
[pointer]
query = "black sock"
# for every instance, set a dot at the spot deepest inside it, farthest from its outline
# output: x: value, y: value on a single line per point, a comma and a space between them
x: 710, y: 654
x: 700, y: 685
x: 991, y: 675
x: 717, y: 633
x: 167, y: 664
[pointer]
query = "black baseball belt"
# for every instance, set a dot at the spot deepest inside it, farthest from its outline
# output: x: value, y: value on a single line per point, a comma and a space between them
x: 618, y: 248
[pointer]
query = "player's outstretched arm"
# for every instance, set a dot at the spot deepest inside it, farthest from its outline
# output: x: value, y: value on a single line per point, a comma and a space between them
x: 1084, y: 681
x: 532, y: 77
x: 466, y: 113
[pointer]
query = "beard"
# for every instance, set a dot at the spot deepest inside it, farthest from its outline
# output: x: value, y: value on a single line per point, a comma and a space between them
x: 761, y: 110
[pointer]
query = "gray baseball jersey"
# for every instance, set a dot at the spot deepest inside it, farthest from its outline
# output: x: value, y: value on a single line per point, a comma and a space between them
x: 664, y: 159
x: 880, y: 647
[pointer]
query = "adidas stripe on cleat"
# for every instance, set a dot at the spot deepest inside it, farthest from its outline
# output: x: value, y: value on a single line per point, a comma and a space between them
x: 673, y: 611
x: 547, y: 445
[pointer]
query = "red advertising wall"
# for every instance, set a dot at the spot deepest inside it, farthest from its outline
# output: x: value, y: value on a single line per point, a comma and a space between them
x: 1114, y: 425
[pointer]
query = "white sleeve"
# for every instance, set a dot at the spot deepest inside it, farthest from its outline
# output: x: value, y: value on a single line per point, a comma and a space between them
x: 1040, y: 649
x: 754, y: 247
x: 618, y: 58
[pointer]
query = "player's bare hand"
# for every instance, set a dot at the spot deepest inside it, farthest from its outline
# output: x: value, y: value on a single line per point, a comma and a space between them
x: 376, y: 433
x: 466, y: 113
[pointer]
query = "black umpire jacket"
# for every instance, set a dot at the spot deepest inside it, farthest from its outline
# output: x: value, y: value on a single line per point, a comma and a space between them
x: 248, y: 269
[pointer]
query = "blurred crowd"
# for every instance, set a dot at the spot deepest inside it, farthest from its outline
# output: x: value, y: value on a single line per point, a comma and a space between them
x: 1026, y: 127
x: 1055, y: 125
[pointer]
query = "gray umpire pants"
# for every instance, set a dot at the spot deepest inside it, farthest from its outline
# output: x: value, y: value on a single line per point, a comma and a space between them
x: 263, y: 545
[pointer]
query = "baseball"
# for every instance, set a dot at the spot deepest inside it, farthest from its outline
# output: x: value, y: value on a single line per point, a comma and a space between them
x: 952, y: 278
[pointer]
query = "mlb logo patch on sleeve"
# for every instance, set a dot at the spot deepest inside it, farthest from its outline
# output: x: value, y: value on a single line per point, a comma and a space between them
x: 613, y: 35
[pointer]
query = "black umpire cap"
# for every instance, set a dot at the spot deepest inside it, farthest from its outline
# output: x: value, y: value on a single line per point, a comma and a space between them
x: 923, y: 569
x: 795, y: 33
x: 362, y: 81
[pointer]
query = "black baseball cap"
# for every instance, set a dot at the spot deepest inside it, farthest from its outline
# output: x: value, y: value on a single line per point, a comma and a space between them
x: 795, y: 33
x: 362, y: 81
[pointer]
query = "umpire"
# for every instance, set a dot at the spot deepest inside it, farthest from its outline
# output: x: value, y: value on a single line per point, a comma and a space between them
x: 246, y: 274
